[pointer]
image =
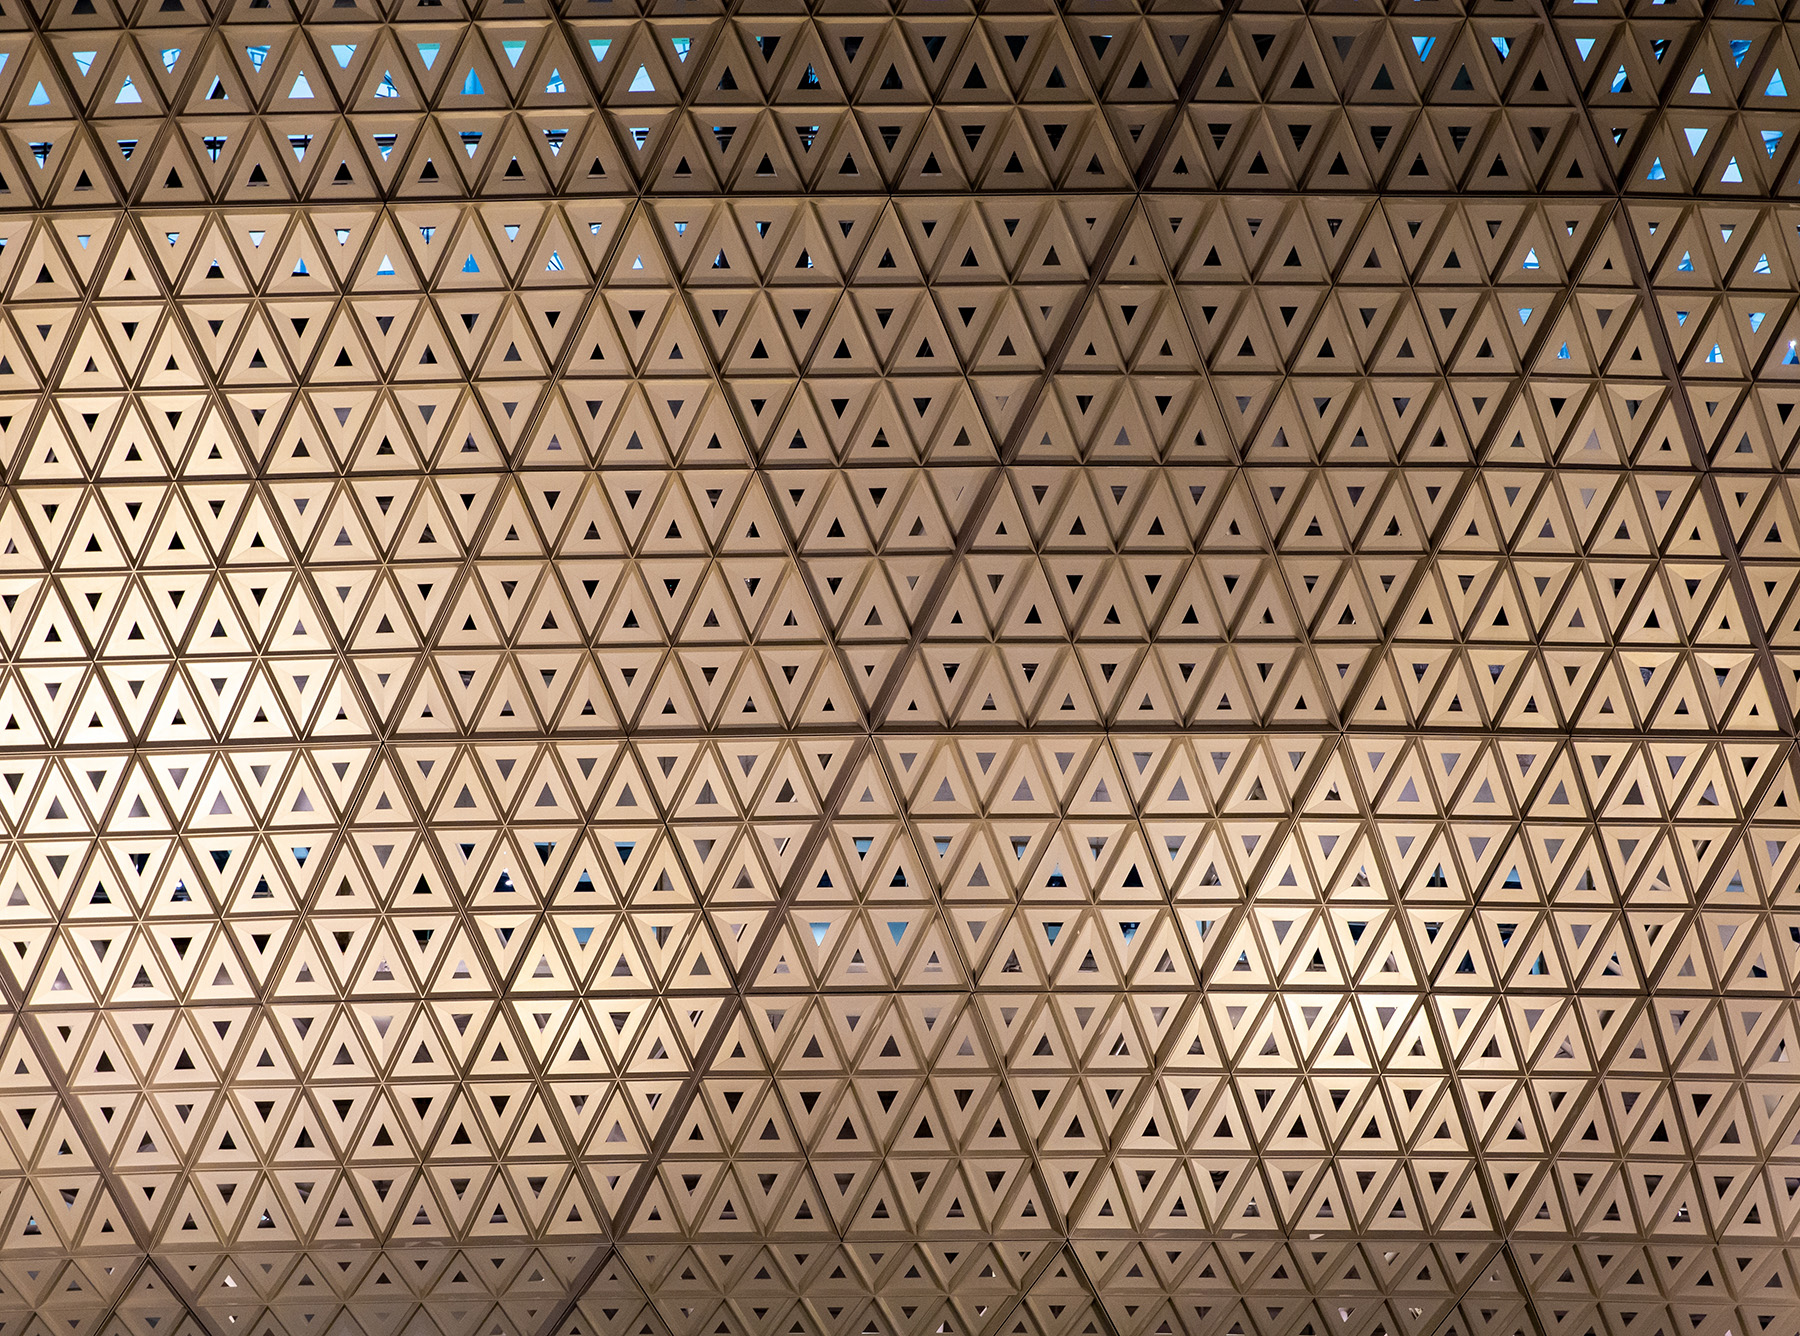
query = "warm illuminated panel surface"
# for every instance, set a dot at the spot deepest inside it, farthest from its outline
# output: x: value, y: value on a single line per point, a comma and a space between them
x: 983, y: 671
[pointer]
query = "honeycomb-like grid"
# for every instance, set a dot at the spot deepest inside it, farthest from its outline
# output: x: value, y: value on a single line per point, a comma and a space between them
x: 948, y: 668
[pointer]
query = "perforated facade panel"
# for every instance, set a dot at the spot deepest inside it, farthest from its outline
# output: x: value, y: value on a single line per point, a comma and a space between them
x: 961, y: 669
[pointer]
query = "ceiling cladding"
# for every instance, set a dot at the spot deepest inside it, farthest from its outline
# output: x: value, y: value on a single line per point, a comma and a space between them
x: 972, y: 668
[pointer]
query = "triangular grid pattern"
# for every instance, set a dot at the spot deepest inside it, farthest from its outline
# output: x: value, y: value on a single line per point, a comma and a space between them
x: 853, y: 669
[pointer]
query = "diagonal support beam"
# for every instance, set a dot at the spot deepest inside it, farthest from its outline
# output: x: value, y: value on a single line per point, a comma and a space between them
x: 882, y: 699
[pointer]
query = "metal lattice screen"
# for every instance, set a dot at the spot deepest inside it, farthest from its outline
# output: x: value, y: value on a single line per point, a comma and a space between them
x: 783, y: 669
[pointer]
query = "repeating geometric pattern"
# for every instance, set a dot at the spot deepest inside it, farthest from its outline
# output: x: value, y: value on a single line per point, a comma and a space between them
x: 938, y: 668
